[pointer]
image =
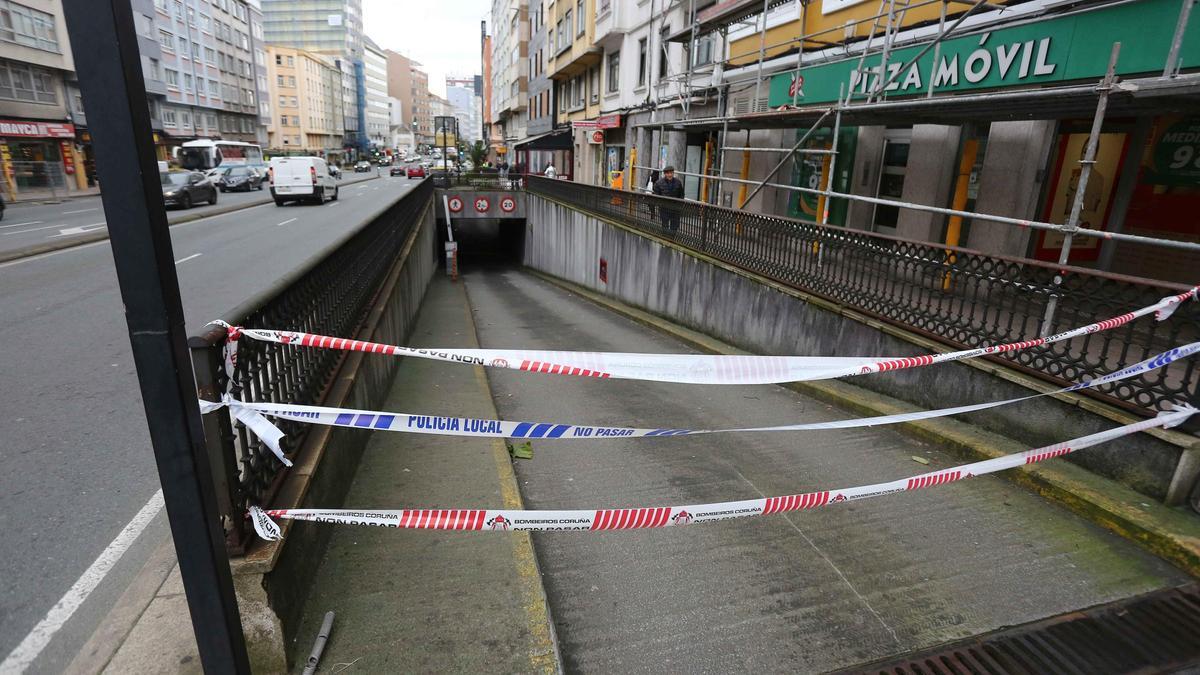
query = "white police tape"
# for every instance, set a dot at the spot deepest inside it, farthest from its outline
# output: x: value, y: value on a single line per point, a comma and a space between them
x: 691, y: 368
x: 485, y: 428
x: 664, y: 516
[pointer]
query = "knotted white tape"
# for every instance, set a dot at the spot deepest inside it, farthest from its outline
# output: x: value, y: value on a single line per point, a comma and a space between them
x: 665, y: 516
x: 696, y: 368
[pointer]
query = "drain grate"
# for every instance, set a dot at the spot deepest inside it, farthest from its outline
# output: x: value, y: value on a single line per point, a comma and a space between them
x: 1153, y: 633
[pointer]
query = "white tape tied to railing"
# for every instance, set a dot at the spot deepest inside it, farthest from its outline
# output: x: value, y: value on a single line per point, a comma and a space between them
x: 693, y: 368
x: 665, y: 516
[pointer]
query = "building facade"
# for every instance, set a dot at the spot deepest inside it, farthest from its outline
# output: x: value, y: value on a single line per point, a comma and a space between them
x: 377, y: 116
x: 461, y: 93
x: 305, y: 89
x: 510, y: 71
x: 333, y: 28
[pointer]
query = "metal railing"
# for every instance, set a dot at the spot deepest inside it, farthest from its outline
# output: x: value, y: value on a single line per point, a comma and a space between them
x: 958, y: 296
x: 480, y: 180
x: 332, y: 295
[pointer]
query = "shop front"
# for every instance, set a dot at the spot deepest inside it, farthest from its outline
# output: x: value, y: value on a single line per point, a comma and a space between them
x: 535, y: 154
x: 37, y: 157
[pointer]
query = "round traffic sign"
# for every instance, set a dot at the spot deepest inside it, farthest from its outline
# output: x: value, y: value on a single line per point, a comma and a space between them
x: 508, y: 204
x: 482, y: 204
x: 456, y: 204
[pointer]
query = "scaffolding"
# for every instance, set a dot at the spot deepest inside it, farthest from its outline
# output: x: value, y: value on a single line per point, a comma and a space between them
x: 887, y: 30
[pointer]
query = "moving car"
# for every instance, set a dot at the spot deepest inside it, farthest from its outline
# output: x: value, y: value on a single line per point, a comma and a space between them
x: 335, y: 171
x: 416, y: 171
x: 362, y: 167
x: 396, y: 170
x: 240, y: 178
x: 302, y: 179
x: 184, y: 188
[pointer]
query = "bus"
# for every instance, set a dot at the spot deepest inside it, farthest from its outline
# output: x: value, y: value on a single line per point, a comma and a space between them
x: 205, y: 154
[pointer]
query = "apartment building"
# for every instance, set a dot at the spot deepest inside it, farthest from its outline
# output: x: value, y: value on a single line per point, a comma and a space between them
x: 333, y: 28
x: 208, y: 67
x: 377, y: 112
x: 305, y: 89
x: 510, y: 71
x: 461, y: 93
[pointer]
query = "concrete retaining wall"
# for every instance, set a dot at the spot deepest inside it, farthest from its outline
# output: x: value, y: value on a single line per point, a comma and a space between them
x: 765, y: 318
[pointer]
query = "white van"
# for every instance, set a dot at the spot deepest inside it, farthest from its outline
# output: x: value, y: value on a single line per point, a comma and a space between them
x: 301, y: 179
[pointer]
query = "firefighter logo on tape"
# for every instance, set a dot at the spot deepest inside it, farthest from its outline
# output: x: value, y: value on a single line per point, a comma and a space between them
x: 498, y: 523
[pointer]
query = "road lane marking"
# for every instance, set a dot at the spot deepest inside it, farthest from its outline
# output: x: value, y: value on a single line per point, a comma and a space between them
x: 97, y: 208
x: 81, y: 230
x: 289, y: 220
x: 32, y: 222
x: 35, y: 229
x: 190, y: 257
x: 31, y: 647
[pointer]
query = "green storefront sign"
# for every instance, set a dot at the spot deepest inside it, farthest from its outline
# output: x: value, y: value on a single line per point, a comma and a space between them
x: 1051, y: 50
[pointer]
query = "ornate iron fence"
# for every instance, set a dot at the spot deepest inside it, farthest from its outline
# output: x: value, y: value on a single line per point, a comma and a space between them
x: 961, y: 297
x: 331, y: 296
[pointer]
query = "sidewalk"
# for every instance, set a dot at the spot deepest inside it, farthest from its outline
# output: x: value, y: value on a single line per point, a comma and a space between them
x: 48, y: 197
x: 404, y: 601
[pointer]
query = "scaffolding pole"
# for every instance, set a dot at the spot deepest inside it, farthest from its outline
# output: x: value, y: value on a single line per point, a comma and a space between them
x: 1085, y: 172
x: 837, y: 128
x: 799, y: 143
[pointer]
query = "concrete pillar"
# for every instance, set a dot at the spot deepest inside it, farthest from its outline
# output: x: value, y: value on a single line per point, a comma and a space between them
x: 1014, y: 170
x: 928, y: 179
x: 867, y: 159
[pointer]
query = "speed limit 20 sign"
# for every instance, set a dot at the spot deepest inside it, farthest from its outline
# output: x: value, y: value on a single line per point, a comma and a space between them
x: 508, y: 204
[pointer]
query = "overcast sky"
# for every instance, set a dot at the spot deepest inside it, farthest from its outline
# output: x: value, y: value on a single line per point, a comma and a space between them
x: 442, y: 34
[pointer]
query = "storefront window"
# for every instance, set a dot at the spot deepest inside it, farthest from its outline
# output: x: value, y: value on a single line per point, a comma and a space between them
x: 891, y: 180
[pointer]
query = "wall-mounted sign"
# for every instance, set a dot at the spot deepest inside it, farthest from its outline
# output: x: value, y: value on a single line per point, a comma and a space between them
x: 1060, y: 49
x: 456, y: 204
x: 36, y: 129
x: 482, y: 204
x: 508, y: 204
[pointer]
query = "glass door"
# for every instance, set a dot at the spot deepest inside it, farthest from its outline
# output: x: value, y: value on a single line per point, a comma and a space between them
x: 891, y: 179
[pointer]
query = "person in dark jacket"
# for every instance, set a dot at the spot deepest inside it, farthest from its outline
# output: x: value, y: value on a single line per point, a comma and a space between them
x: 669, y: 186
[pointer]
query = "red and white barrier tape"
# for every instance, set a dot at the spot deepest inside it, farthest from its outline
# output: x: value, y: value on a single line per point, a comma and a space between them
x: 665, y: 516
x: 484, y: 428
x: 693, y: 368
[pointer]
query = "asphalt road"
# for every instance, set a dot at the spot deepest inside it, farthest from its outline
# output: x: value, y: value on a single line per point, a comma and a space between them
x: 75, y: 453
x: 27, y: 225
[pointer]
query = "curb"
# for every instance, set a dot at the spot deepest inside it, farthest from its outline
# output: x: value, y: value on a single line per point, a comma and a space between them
x: 1169, y: 533
x: 38, y: 249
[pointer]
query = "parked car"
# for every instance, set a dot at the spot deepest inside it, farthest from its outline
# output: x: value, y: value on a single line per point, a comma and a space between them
x: 362, y: 167
x: 304, y: 179
x: 240, y: 178
x: 396, y: 170
x: 185, y: 188
x: 415, y: 171
x: 335, y: 171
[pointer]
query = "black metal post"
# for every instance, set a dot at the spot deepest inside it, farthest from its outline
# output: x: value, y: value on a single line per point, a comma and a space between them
x: 110, y: 77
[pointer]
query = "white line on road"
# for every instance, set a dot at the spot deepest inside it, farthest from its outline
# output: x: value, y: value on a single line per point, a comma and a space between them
x: 190, y: 257
x: 81, y: 211
x: 31, y: 647
x: 32, y: 222
x: 286, y: 222
x: 35, y: 229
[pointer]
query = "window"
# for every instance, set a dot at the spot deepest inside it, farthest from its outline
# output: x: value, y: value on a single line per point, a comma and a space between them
x: 614, y: 72
x: 23, y: 82
x: 283, y: 120
x: 191, y: 15
x: 291, y: 61
x: 214, y: 89
x: 152, y: 69
x: 594, y: 78
x: 168, y: 117
x: 206, y: 23
x: 196, y: 51
x: 145, y: 25
x: 580, y: 19
x: 642, y: 62
x: 161, y: 4
x: 567, y: 39
x: 183, y: 46
x: 704, y: 51
x: 166, y: 40
x: 558, y: 36
x: 211, y: 121
x: 187, y: 82
x: 278, y: 60
x: 210, y: 56
x: 185, y: 119
x: 172, y: 78
x: 279, y: 80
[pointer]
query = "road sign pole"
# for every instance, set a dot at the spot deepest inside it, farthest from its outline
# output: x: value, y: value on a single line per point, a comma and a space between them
x: 109, y: 70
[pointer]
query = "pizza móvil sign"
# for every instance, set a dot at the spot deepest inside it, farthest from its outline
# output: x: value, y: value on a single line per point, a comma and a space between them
x: 1052, y: 50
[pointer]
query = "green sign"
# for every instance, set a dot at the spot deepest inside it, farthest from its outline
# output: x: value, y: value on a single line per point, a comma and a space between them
x: 807, y: 170
x: 1177, y: 155
x: 1052, y: 50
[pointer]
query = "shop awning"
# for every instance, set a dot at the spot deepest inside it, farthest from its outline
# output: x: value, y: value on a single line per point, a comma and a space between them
x: 558, y: 139
x: 1129, y: 98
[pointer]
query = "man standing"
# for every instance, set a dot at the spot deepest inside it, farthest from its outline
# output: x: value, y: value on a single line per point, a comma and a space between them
x: 669, y: 186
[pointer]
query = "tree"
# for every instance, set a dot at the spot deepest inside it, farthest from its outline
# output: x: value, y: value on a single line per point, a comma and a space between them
x: 478, y: 152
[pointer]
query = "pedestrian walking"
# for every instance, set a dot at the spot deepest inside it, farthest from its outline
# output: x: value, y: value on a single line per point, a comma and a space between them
x: 550, y: 172
x: 669, y: 186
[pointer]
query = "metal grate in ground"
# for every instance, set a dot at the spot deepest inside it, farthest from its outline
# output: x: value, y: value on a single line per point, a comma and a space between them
x: 1153, y: 633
